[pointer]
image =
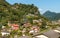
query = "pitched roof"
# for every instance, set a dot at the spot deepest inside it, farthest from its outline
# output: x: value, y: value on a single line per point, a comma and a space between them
x: 52, y: 34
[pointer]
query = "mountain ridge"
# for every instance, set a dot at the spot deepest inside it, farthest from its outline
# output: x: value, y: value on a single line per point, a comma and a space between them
x: 52, y: 15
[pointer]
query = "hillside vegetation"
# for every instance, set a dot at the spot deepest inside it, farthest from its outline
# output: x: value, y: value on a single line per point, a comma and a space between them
x: 52, y: 16
x: 18, y: 12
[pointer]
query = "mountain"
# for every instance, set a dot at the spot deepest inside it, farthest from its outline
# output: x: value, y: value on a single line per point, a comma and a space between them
x: 53, y: 16
x: 18, y: 12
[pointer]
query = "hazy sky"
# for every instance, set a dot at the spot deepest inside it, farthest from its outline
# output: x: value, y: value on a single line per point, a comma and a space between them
x: 43, y: 5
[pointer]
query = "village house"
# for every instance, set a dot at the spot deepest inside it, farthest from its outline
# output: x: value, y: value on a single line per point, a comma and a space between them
x: 5, y: 33
x: 34, y: 30
x: 13, y: 26
x: 38, y: 21
x: 27, y: 24
x: 35, y: 21
x: 52, y: 34
x: 56, y: 22
x: 49, y: 34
